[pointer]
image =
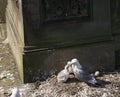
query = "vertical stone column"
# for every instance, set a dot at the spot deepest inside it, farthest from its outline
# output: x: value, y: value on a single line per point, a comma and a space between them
x: 14, y: 22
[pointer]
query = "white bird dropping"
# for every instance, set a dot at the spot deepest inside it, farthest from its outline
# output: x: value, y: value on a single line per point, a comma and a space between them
x: 63, y: 75
x: 81, y: 73
x: 15, y: 93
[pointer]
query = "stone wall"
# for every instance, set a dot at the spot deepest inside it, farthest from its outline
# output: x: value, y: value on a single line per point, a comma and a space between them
x: 44, y: 45
x: 38, y: 65
x: 50, y: 43
x: 3, y: 33
x: 115, y: 6
x: 2, y: 10
x: 14, y: 23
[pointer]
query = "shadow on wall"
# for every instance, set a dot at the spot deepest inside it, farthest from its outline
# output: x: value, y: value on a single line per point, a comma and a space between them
x: 3, y: 4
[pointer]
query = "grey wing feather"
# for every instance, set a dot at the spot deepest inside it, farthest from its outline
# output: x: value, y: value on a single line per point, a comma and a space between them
x: 84, y: 75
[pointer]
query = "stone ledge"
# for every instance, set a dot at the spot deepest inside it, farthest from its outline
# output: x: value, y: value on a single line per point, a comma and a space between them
x: 41, y: 64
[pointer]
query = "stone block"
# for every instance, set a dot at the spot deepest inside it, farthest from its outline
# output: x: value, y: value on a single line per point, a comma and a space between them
x: 38, y: 65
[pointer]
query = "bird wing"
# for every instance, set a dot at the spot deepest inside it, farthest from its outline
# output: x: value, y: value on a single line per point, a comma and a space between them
x: 83, y: 75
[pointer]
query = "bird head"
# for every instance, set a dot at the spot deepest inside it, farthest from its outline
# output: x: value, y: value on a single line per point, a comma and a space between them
x: 68, y: 64
x: 75, y: 62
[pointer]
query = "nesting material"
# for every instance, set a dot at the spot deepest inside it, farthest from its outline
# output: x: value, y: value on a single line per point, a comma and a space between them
x: 3, y: 75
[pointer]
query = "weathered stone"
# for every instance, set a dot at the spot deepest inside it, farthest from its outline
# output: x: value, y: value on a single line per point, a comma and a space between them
x: 115, y: 17
x: 15, y: 31
x: 3, y: 4
x: 3, y: 33
x: 48, y: 43
x: 94, y: 57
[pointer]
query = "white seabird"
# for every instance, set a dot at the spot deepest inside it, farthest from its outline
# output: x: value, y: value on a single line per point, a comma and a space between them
x: 15, y: 93
x: 63, y: 75
x: 81, y: 73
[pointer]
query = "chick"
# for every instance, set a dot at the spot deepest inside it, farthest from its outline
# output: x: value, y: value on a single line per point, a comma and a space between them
x: 63, y: 75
